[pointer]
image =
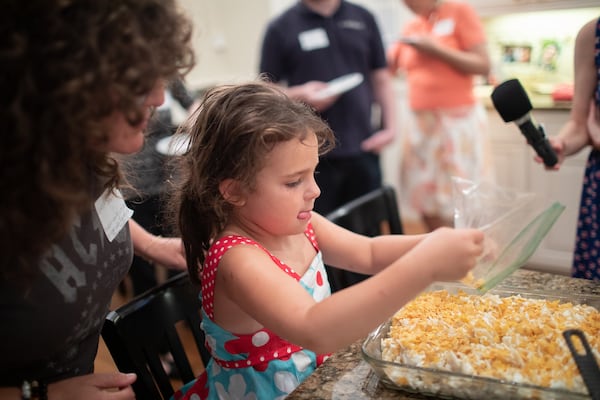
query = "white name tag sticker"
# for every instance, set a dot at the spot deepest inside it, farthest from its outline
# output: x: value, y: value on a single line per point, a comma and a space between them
x: 443, y: 27
x: 113, y: 212
x: 313, y: 39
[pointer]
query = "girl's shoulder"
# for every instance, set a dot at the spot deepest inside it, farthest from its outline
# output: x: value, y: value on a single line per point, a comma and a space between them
x: 227, y: 241
x: 221, y: 245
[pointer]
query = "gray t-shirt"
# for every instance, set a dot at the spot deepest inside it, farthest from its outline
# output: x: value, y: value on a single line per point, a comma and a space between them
x: 51, y: 331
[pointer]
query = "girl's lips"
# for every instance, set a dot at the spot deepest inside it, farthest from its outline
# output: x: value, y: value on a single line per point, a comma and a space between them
x: 304, y: 215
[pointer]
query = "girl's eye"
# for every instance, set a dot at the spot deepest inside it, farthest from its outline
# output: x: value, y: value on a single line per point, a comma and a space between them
x: 293, y: 184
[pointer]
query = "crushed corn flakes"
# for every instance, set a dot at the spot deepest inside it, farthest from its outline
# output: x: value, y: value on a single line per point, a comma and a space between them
x: 509, y: 338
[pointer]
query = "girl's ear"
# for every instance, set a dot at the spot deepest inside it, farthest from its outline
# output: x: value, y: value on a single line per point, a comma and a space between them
x: 232, y: 193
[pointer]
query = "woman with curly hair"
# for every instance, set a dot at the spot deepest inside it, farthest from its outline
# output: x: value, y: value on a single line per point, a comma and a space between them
x: 79, y: 81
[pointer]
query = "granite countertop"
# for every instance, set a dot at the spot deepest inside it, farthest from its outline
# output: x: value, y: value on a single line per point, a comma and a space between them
x: 346, y: 376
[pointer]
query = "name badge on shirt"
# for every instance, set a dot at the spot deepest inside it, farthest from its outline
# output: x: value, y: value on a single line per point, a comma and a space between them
x: 443, y: 27
x: 313, y: 39
x: 113, y: 212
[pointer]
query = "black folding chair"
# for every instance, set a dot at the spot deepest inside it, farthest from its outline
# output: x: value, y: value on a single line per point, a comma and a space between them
x: 375, y: 213
x: 138, y: 332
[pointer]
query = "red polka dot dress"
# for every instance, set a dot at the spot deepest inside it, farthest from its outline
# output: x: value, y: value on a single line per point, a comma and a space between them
x: 260, y: 365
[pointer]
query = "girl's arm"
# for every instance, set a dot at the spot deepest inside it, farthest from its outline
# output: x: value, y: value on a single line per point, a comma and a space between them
x: 357, y: 253
x: 248, y: 278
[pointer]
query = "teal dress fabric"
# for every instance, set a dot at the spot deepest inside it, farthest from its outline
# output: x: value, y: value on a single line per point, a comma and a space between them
x: 260, y: 365
x: 586, y: 258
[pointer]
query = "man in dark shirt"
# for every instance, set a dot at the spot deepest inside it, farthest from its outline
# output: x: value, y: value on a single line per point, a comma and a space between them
x: 316, y: 41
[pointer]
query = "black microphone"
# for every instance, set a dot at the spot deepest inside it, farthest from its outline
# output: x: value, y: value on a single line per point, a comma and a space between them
x: 513, y: 105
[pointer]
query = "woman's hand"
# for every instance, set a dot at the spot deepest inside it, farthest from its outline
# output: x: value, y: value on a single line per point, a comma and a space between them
x: 558, y: 145
x: 110, y: 386
x: 423, y: 43
x: 168, y: 252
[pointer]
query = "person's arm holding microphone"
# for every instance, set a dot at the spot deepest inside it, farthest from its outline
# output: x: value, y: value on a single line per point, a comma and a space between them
x: 582, y: 128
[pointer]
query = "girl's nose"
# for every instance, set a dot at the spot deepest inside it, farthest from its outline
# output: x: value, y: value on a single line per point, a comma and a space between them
x: 314, y: 190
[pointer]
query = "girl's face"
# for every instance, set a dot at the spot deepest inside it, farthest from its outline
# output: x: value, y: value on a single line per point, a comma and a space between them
x: 124, y: 138
x: 285, y: 189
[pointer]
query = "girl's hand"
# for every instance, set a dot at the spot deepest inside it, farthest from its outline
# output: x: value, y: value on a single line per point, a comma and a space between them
x: 111, y: 386
x: 451, y: 253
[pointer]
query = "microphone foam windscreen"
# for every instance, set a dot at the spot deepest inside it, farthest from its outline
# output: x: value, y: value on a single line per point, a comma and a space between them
x: 511, y: 100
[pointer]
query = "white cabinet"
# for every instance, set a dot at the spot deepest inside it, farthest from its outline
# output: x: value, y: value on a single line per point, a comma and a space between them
x: 498, y: 7
x: 509, y: 153
x: 516, y: 169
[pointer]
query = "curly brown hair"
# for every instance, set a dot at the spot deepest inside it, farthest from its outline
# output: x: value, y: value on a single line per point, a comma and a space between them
x: 65, y: 65
x: 231, y: 132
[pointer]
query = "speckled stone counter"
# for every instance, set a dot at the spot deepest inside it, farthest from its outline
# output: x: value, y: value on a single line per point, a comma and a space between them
x: 346, y: 376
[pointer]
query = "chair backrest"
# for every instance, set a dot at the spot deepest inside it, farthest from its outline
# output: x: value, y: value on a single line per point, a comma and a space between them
x: 372, y: 214
x: 139, y: 331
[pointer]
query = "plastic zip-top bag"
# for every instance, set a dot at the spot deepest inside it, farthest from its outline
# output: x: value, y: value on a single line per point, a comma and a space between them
x: 514, y: 224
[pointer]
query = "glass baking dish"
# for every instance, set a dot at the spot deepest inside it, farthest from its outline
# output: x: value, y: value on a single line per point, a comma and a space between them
x: 452, y: 385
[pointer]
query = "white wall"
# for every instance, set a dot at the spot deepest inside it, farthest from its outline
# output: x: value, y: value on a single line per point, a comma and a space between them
x: 227, y: 36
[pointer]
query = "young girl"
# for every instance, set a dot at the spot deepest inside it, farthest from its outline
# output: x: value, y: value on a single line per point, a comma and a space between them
x: 245, y: 214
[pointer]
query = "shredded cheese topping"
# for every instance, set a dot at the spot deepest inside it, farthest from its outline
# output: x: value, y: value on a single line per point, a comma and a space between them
x: 509, y: 338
